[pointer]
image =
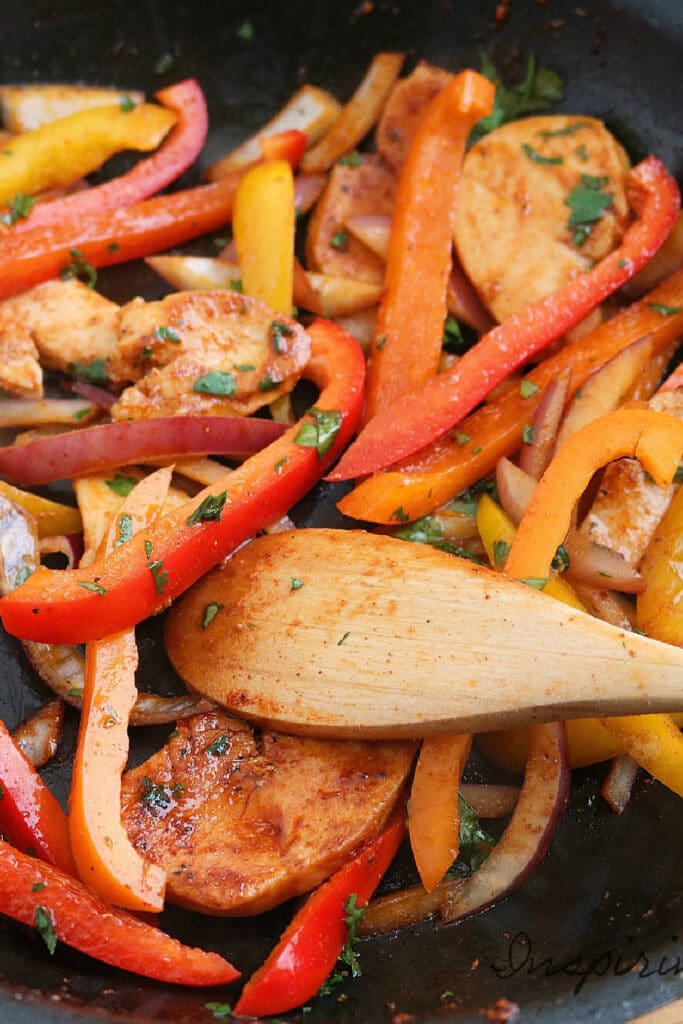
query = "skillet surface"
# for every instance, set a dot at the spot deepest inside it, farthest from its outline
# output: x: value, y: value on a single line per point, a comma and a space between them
x: 609, y: 895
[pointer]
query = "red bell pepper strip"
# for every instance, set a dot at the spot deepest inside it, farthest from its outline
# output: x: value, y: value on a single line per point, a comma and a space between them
x: 289, y: 145
x: 175, y: 155
x: 409, y: 333
x: 37, y: 254
x: 143, y: 575
x: 310, y: 947
x: 30, y: 816
x: 41, y: 896
x: 409, y: 425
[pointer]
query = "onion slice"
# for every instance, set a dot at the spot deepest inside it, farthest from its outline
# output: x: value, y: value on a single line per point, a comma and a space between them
x: 489, y: 800
x: 104, y: 447
x: 98, y: 396
x: 598, y: 566
x: 515, y: 488
x: 534, y: 458
x: 524, y: 843
x: 616, y: 789
x: 39, y: 735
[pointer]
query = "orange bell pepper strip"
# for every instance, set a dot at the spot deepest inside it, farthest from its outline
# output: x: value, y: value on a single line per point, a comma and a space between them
x: 656, y: 440
x: 179, y: 150
x: 454, y: 463
x: 106, y: 859
x: 30, y: 816
x: 61, y: 151
x: 434, y: 819
x: 41, y: 896
x: 142, y: 576
x: 405, y: 427
x: 263, y: 228
x: 408, y: 338
x: 310, y: 946
x: 101, y: 239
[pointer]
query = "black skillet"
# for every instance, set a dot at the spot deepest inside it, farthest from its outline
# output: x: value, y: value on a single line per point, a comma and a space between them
x: 608, y: 897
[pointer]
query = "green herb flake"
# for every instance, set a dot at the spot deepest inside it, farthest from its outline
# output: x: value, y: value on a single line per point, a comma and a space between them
x: 541, y: 89
x: 81, y: 413
x: 587, y: 203
x: 278, y: 331
x: 236, y: 285
x: 295, y: 583
x: 536, y: 582
x: 348, y: 958
x: 343, y: 639
x: 164, y: 64
x: 657, y: 307
x: 269, y: 382
x: 538, y: 158
x: 400, y: 515
x: 75, y: 693
x: 244, y: 367
x: 113, y: 247
x: 148, y: 548
x: 127, y: 104
x: 147, y: 352
x: 340, y: 240
x: 18, y: 209
x: 46, y: 929
x: 351, y: 160
x: 322, y: 432
x: 678, y: 476
x: 476, y: 842
x: 556, y: 133
x: 121, y: 485
x: 22, y: 575
x: 527, y: 389
x: 477, y: 448
x: 462, y: 439
x: 501, y: 549
x: 453, y: 340
x: 210, y: 510
x: 95, y: 587
x: 381, y: 342
x: 152, y: 794
x: 37, y: 886
x: 210, y: 612
x: 280, y: 464
x: 79, y: 268
x: 428, y: 531
x: 246, y: 31
x: 94, y: 372
x: 582, y: 153
x: 528, y: 434
x: 159, y: 575
x: 560, y: 562
x: 219, y: 1010
x: 217, y: 382
x: 125, y: 529
x: 219, y: 747
x: 2, y: 791
x: 166, y: 334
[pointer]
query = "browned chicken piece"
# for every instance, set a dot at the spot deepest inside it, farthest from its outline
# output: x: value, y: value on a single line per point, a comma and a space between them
x: 242, y: 820
x: 24, y: 107
x: 69, y: 322
x: 629, y: 505
x: 404, y: 108
x: 208, y: 353
x: 20, y: 371
x: 366, y: 188
x: 512, y: 231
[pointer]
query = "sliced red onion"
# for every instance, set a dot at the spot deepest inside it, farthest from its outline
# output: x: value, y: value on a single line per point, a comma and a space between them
x: 373, y: 230
x: 515, y: 488
x: 534, y: 458
x: 70, y: 545
x: 618, y: 784
x: 98, y: 396
x: 307, y: 190
x: 104, y: 447
x: 607, y: 605
x: 463, y: 301
x: 404, y: 908
x: 524, y: 843
x: 39, y: 735
x: 488, y: 800
x: 595, y: 565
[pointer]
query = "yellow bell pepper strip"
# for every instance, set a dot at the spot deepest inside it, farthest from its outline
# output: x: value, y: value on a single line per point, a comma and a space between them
x: 409, y: 425
x: 30, y: 816
x: 434, y: 818
x: 656, y: 440
x: 409, y: 334
x: 310, y: 946
x: 659, y: 610
x: 61, y: 151
x: 51, y: 518
x: 588, y: 742
x: 143, y: 575
x: 453, y: 464
x: 64, y: 910
x: 106, y: 860
x: 263, y: 228
x: 179, y: 150
x: 107, y: 237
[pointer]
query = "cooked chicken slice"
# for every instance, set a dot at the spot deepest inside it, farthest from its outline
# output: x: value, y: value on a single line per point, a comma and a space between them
x: 20, y: 372
x: 241, y: 821
x: 629, y: 505
x: 404, y: 108
x: 24, y: 107
x: 519, y: 188
x: 208, y: 352
x: 365, y: 188
x: 70, y: 323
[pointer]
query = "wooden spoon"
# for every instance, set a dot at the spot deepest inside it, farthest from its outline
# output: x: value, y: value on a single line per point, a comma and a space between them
x: 348, y: 633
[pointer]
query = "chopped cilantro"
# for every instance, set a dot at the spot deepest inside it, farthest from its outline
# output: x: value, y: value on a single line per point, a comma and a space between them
x: 536, y: 582
x: 159, y: 575
x: 343, y: 639
x: 18, y: 208
x: 244, y: 367
x: 560, y: 562
x: 246, y: 31
x: 164, y: 64
x: 541, y: 89
x: 296, y: 583
x: 43, y: 922
x: 113, y: 247
x: 94, y: 372
x: 280, y: 464
x: 453, y: 340
x: 381, y: 342
x: 582, y: 153
x: 217, y: 382
x: 81, y: 413
x: 236, y: 285
x: 22, y: 575
x: 125, y: 528
x: 79, y: 268
x: 167, y: 334
x: 152, y: 794
x: 219, y: 1010
x: 322, y: 433
x: 400, y: 515
x: 657, y: 307
x: 37, y: 886
x: 121, y: 485
x: 269, y: 382
x: 462, y: 439
x: 2, y: 791
x: 501, y: 549
x: 127, y: 104
x: 340, y: 240
x: 428, y: 531
x: 348, y: 958
x: 148, y: 548
x: 210, y: 613
x: 475, y: 842
x: 210, y: 509
x: 528, y: 434
x: 218, y: 747
x: 351, y: 160
x: 527, y: 389
x: 75, y: 693
x: 556, y: 133
x: 95, y: 587
x: 538, y: 158
x: 278, y: 331
x: 587, y: 203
